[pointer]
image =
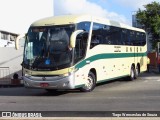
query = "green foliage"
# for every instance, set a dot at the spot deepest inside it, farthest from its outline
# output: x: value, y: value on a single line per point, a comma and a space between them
x: 149, y: 18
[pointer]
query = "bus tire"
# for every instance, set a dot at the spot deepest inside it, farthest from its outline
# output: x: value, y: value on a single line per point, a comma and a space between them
x: 91, y: 83
x: 132, y: 73
x: 136, y: 72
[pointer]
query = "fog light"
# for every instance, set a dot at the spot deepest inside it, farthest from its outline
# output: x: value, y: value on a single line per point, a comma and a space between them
x: 26, y: 84
x: 65, y: 84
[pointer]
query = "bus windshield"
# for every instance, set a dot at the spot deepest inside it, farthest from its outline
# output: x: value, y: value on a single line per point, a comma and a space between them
x: 47, y: 48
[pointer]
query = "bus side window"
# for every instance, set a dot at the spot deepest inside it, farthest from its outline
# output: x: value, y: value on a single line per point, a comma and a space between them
x: 115, y: 35
x: 124, y: 37
x: 97, y: 35
x: 81, y: 46
x: 143, y: 39
x: 132, y: 38
x: 140, y: 38
x: 95, y: 40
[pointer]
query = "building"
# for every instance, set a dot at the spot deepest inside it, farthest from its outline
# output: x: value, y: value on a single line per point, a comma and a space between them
x: 10, y: 58
x: 7, y: 39
x: 135, y: 23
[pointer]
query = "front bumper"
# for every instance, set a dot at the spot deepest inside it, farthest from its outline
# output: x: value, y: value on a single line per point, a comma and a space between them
x: 53, y: 82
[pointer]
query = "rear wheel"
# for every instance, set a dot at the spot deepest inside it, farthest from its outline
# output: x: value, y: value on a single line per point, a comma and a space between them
x: 90, y: 84
x: 132, y: 73
x: 136, y: 72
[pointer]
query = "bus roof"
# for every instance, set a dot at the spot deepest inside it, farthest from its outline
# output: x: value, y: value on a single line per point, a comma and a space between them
x: 72, y: 19
x: 60, y: 20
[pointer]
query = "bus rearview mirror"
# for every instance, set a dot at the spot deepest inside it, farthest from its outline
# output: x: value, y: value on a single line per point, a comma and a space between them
x: 73, y: 38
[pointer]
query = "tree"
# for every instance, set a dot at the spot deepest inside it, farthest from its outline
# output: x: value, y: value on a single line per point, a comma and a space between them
x: 149, y: 18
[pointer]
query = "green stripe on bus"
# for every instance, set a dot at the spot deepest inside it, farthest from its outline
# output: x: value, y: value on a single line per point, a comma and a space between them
x: 79, y: 86
x: 109, y: 56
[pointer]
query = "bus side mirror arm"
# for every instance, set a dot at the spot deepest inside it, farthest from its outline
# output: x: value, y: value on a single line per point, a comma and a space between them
x: 17, y: 41
x: 73, y: 38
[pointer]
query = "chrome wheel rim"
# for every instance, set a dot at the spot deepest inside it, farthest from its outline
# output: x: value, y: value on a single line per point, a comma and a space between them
x: 132, y: 73
x: 137, y: 72
x: 89, y: 83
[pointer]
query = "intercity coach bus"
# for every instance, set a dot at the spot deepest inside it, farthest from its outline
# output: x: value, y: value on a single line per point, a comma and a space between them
x: 79, y: 51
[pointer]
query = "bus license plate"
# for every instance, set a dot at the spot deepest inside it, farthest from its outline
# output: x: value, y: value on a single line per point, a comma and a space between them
x: 44, y: 84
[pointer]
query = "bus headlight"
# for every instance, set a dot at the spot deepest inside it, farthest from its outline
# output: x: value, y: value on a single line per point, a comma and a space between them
x: 27, y: 75
x: 66, y: 74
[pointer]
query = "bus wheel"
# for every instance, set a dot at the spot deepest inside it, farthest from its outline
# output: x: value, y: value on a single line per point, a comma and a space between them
x: 132, y: 73
x: 90, y: 84
x: 136, y: 72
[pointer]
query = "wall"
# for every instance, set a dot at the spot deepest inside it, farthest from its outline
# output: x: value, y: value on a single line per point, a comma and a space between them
x: 12, y: 58
x: 153, y: 59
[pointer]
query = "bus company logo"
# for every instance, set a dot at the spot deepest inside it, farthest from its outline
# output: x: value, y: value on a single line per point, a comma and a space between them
x: 6, y: 114
x: 43, y: 78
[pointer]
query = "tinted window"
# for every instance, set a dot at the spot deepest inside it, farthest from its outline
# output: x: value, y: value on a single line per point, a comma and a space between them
x: 140, y: 39
x: 124, y: 37
x: 132, y: 37
x: 105, y: 34
x: 84, y: 26
x: 81, y: 46
x: 115, y: 35
x: 97, y: 33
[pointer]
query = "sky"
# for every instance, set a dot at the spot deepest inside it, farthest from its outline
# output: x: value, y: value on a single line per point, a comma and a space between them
x: 118, y: 10
x: 17, y: 15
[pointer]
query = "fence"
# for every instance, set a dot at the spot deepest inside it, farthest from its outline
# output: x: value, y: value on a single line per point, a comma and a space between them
x: 153, y: 59
x: 5, y: 77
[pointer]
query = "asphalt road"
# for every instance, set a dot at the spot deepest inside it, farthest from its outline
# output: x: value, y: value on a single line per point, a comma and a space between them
x: 142, y: 94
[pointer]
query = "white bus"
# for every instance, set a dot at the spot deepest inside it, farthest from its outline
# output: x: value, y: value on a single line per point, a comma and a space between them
x: 79, y: 51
